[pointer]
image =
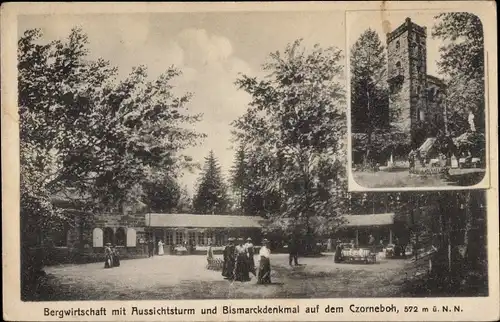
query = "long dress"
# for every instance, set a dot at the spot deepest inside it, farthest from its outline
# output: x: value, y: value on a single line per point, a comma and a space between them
x: 160, y: 248
x: 251, y: 261
x: 241, y: 270
x: 264, y: 266
x: 338, y: 254
x: 228, y: 265
x: 108, y: 253
x: 116, y: 258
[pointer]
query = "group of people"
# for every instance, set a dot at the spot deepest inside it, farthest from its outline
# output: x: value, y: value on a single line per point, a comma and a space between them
x: 112, y: 257
x: 238, y: 261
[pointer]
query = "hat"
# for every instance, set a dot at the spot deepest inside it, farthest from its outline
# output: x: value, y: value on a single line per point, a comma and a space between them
x: 230, y: 239
x: 240, y: 239
x: 265, y: 241
x: 249, y: 239
x: 108, y: 244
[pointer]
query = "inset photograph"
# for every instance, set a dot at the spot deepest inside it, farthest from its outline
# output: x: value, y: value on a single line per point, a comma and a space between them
x: 417, y: 100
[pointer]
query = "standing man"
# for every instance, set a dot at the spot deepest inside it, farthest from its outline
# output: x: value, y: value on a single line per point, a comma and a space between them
x: 264, y: 264
x: 338, y: 252
x: 250, y: 254
x: 151, y: 247
x: 293, y: 251
x: 371, y: 243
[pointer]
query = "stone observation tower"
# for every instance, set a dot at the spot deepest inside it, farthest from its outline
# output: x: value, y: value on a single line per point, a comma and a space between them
x: 416, y: 100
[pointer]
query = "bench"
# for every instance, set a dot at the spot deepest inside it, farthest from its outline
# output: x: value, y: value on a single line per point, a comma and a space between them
x: 215, y: 264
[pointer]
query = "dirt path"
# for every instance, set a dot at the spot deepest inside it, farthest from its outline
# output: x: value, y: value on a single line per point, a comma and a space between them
x: 185, y: 277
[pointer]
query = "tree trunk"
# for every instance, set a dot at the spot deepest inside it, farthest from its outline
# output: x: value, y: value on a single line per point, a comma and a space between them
x: 369, y: 129
x: 469, y: 256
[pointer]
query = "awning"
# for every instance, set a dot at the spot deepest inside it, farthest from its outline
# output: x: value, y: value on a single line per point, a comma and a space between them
x: 202, y: 221
x: 426, y: 147
x: 369, y: 220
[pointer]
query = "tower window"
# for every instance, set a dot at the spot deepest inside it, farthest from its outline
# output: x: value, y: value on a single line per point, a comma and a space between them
x: 421, y: 115
x: 397, y: 45
x: 398, y: 68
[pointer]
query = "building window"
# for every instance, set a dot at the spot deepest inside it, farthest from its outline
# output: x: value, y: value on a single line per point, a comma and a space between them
x: 399, y: 71
x: 97, y: 239
x: 120, y: 237
x: 397, y: 45
x: 220, y: 239
x: 421, y: 115
x: 201, y: 238
x: 109, y: 235
x: 131, y: 237
x: 169, y: 239
x: 192, y: 238
x: 430, y: 94
x: 210, y: 236
x: 179, y: 238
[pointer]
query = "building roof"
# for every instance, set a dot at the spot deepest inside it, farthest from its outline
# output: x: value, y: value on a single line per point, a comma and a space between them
x: 369, y: 220
x: 435, y: 80
x: 202, y: 221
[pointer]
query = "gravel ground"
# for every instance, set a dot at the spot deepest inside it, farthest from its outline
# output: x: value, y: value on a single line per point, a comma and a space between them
x: 185, y: 277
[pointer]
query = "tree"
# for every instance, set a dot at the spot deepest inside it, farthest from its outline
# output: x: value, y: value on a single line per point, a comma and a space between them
x: 211, y: 194
x: 82, y: 129
x: 462, y: 65
x: 295, y: 122
x: 185, y: 204
x: 91, y: 132
x: 369, y: 97
x: 239, y: 176
x: 253, y: 198
x: 162, y: 195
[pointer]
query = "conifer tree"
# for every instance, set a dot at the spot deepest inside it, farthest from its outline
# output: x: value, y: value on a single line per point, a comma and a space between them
x: 211, y: 195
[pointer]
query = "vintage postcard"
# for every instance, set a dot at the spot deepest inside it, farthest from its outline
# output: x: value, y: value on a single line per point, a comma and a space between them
x: 418, y: 101
x: 204, y: 161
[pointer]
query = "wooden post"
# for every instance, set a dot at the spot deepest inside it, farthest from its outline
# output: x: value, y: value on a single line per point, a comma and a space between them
x: 390, y: 235
x: 357, y: 238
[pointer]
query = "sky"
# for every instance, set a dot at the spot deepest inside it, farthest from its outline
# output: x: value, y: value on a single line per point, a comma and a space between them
x: 211, y: 49
x: 387, y: 21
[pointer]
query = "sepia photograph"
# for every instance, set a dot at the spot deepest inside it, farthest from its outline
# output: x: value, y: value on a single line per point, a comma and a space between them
x: 417, y: 99
x: 155, y: 182
x: 196, y: 162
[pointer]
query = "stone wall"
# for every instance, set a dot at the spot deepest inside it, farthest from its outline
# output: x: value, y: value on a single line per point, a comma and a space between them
x: 398, y: 75
x: 410, y: 110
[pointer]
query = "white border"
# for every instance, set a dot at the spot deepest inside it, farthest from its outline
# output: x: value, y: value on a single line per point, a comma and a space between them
x: 477, y: 309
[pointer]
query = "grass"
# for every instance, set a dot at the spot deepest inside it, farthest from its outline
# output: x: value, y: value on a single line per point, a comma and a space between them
x: 402, y: 178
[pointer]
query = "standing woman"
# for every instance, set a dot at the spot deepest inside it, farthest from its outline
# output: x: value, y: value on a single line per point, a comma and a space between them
x: 250, y: 253
x: 116, y: 257
x: 210, y: 251
x: 265, y: 264
x: 228, y: 266
x: 108, y: 255
x: 160, y: 248
x: 241, y: 269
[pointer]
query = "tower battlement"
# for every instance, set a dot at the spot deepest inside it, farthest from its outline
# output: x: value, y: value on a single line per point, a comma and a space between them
x: 408, y: 25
